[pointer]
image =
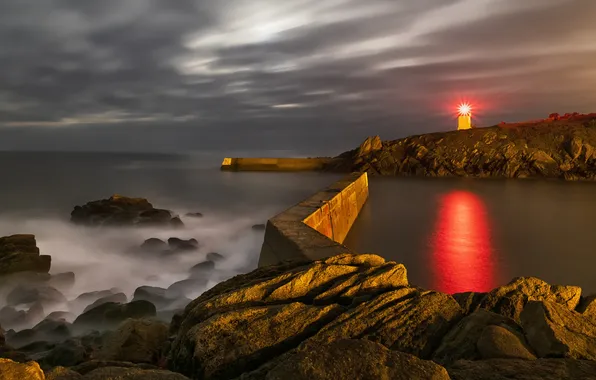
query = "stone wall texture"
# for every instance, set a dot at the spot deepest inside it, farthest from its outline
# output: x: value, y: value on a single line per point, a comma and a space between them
x: 316, y: 228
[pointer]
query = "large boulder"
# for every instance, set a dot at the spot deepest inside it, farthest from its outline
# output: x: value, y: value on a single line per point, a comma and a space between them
x: 62, y: 373
x: 85, y: 299
x: 512, y: 369
x: 498, y: 342
x: 132, y: 374
x: 45, y: 331
x: 555, y: 331
x: 19, y: 253
x: 136, y: 341
x: 109, y: 315
x: 249, y: 319
x: 10, y: 370
x: 509, y: 300
x: 348, y: 359
x: 29, y: 294
x: 120, y: 211
x: 115, y: 298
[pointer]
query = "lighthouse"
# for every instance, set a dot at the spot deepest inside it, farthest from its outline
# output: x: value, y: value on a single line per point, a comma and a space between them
x: 464, y: 119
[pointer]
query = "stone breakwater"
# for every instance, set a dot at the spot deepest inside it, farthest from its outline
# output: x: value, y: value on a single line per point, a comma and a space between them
x: 563, y: 149
x: 345, y: 317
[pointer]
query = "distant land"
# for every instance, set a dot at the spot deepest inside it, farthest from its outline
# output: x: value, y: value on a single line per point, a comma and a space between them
x: 560, y: 146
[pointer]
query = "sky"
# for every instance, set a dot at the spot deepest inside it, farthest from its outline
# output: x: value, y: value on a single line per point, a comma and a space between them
x: 302, y: 75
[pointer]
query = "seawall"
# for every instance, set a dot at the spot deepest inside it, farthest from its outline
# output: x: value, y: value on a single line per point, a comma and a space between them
x: 316, y: 227
x: 274, y: 164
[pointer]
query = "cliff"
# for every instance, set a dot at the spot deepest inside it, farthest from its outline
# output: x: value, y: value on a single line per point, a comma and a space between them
x: 552, y: 148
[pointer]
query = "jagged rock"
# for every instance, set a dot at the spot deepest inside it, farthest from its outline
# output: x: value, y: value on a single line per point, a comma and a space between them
x: 498, y: 342
x: 371, y: 144
x: 509, y: 300
x: 244, y: 320
x: 349, y: 359
x: 461, y: 341
x: 587, y: 306
x: 214, y: 256
x: 46, y: 295
x: 62, y: 373
x: 136, y: 341
x: 469, y: 301
x: 120, y: 211
x: 512, y: 369
x: 181, y: 245
x: 132, y: 374
x: 555, y: 331
x: 10, y: 370
x: 115, y: 298
x: 19, y: 253
x: 109, y: 315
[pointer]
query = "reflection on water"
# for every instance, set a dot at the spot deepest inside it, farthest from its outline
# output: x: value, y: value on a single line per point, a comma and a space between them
x: 461, y: 248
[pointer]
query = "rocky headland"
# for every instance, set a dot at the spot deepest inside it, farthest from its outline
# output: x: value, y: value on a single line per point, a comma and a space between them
x: 345, y: 317
x: 560, y: 147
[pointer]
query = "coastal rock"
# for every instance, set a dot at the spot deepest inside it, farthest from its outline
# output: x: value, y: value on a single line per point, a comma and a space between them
x: 19, y: 253
x: 61, y: 316
x: 202, y: 270
x: 10, y: 370
x: 92, y: 365
x: 83, y: 300
x: 120, y: 211
x: 154, y: 245
x: 115, y: 298
x: 509, y: 300
x: 497, y: 342
x: 186, y: 288
x: 461, y: 342
x: 68, y: 353
x: 194, y: 215
x: 153, y: 294
x: 136, y: 341
x: 587, y: 306
x: 371, y: 144
x: 132, y: 374
x: 349, y: 359
x: 46, y: 295
x: 62, y: 373
x: 555, y: 331
x: 469, y: 301
x: 512, y: 369
x: 246, y: 320
x: 214, y: 256
x: 45, y: 331
x: 109, y: 315
x: 181, y: 245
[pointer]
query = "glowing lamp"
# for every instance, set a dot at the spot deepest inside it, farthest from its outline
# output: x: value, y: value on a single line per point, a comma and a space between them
x: 464, y: 120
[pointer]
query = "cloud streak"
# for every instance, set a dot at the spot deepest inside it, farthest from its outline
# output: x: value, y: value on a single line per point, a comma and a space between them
x: 269, y: 69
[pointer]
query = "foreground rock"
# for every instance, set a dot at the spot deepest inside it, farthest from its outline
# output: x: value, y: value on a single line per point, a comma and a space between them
x: 122, y: 211
x: 563, y: 148
x: 136, y: 341
x: 109, y: 315
x: 19, y: 253
x: 336, y: 361
x: 10, y: 370
x: 508, y: 369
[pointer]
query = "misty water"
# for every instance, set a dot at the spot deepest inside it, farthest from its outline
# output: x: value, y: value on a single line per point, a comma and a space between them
x: 457, y: 235
x: 39, y: 190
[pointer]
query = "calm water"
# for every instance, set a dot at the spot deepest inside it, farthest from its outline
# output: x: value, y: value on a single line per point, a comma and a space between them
x: 457, y: 235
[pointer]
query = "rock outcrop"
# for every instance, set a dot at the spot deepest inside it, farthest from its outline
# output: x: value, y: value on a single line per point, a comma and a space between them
x: 554, y: 149
x: 122, y: 211
x: 10, y: 370
x: 19, y: 253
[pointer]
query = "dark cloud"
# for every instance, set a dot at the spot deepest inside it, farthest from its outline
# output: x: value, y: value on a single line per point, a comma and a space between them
x: 199, y: 74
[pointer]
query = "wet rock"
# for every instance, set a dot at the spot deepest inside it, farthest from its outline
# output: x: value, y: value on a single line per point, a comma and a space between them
x: 251, y: 318
x: 555, y: 331
x: 512, y: 369
x: 461, y: 341
x: 154, y: 245
x: 62, y: 373
x: 115, y: 298
x: 214, y: 256
x: 202, y: 270
x: 509, y: 300
x: 120, y: 211
x: 110, y: 315
x: 86, y: 299
x: 19, y: 253
x: 136, y: 341
x: 10, y: 370
x: 258, y: 227
x: 349, y: 359
x: 194, y: 215
x: 155, y: 295
x: 181, y: 245
x: 186, y: 288
x: 46, y: 295
x: 498, y: 342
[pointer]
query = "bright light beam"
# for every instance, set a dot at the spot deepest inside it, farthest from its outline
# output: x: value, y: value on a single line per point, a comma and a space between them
x: 465, y: 109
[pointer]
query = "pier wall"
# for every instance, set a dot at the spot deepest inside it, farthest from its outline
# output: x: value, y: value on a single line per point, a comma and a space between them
x: 316, y: 227
x: 274, y: 164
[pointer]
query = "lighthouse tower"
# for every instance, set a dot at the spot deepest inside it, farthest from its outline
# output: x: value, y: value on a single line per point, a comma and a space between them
x: 464, y: 120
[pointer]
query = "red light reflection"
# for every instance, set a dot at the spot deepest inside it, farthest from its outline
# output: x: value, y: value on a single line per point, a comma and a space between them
x: 462, y: 253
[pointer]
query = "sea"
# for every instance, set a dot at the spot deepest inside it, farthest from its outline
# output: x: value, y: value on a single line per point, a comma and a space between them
x: 452, y: 235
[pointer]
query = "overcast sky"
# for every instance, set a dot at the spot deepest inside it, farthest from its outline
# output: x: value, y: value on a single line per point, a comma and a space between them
x: 177, y: 75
